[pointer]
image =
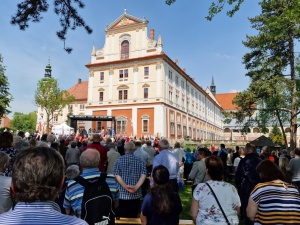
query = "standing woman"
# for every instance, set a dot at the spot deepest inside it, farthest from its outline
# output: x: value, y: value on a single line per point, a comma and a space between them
x: 161, y: 206
x: 216, y: 201
x: 273, y: 201
x: 6, y: 145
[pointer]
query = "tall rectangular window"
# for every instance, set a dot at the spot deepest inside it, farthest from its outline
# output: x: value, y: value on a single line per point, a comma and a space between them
x: 184, y: 131
x: 146, y: 93
x: 170, y: 75
x: 146, y: 71
x: 125, y: 50
x: 101, y: 76
x: 176, y: 81
x: 145, y: 126
x: 121, y: 126
x: 182, y: 84
x: 170, y: 96
x: 179, y: 130
x: 123, y: 94
x: 101, y: 94
x: 81, y: 107
x: 55, y: 118
x: 123, y: 74
x: 172, y: 128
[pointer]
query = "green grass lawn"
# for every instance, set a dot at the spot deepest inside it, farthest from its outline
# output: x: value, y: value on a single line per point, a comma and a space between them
x: 186, y: 200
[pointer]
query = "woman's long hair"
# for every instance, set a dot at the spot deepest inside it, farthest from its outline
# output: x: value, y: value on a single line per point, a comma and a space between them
x: 163, y: 198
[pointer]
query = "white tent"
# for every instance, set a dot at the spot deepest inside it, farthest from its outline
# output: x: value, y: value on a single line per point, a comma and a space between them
x: 63, y: 129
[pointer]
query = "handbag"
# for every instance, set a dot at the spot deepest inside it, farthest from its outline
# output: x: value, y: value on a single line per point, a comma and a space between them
x: 218, y: 203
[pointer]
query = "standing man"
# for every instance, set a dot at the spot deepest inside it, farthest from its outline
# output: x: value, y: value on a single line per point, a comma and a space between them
x: 198, y: 172
x: 181, y: 158
x: 37, y: 178
x: 151, y: 152
x: 295, y: 168
x: 101, y: 149
x: 223, y: 154
x: 246, y: 177
x: 89, y: 161
x: 130, y: 172
x: 142, y: 155
x: 169, y: 160
x: 5, y: 182
x: 112, y: 156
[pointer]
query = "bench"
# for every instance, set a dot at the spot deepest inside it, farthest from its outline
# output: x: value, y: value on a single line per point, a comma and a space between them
x: 138, y: 221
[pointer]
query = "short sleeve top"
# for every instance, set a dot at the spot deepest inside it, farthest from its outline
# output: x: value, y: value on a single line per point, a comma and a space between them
x: 209, y: 211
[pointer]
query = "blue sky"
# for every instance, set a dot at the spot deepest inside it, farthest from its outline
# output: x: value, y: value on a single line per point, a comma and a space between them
x: 204, y: 48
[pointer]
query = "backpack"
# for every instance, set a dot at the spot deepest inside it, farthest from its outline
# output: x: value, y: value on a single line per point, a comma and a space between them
x: 97, y: 203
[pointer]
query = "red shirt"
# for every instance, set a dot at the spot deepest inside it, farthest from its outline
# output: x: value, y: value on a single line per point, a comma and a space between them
x: 103, y: 154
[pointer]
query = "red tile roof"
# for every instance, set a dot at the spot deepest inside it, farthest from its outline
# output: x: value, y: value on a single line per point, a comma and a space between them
x: 6, y: 121
x: 225, y: 100
x: 79, y: 90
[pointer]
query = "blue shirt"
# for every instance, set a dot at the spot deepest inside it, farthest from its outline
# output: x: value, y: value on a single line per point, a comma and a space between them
x: 38, y: 213
x: 74, y: 192
x: 142, y: 154
x: 130, y: 168
x: 189, y: 158
x: 169, y: 160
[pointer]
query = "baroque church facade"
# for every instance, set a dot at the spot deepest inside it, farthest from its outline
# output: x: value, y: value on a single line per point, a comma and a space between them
x: 134, y: 80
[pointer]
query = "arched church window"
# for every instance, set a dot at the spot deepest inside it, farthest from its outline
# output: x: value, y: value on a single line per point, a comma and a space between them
x: 125, y: 50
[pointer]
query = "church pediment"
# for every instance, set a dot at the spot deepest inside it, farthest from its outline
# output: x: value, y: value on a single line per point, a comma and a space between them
x: 126, y: 20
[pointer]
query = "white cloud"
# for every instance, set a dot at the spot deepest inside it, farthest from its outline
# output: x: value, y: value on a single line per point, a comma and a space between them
x: 234, y: 91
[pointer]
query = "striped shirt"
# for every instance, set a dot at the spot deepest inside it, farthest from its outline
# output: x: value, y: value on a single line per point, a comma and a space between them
x: 38, y: 213
x: 130, y: 168
x: 278, y: 203
x: 74, y: 191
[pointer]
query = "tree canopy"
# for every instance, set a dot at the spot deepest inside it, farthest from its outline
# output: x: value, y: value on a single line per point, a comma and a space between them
x: 217, y: 6
x: 32, y: 10
x: 24, y: 122
x: 51, y: 98
x: 5, y: 96
x: 272, y: 68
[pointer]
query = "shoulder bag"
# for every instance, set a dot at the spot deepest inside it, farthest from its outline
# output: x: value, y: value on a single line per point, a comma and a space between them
x: 218, y: 203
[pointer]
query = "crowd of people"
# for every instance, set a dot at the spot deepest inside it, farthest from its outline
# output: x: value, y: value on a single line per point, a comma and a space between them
x: 57, y: 179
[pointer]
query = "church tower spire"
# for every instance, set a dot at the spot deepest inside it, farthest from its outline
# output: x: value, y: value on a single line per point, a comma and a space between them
x: 213, y: 87
x: 48, y: 70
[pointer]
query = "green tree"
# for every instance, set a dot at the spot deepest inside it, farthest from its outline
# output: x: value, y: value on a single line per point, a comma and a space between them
x: 5, y: 96
x: 49, y: 96
x: 66, y: 10
x: 24, y: 122
x: 272, y: 67
x: 217, y: 6
x: 276, y: 135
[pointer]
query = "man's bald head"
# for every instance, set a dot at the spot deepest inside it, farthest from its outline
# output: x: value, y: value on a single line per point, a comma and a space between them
x: 89, y: 158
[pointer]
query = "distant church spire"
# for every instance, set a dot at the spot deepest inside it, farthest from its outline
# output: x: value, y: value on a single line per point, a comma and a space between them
x: 213, y: 87
x: 93, y: 51
x: 48, y: 70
